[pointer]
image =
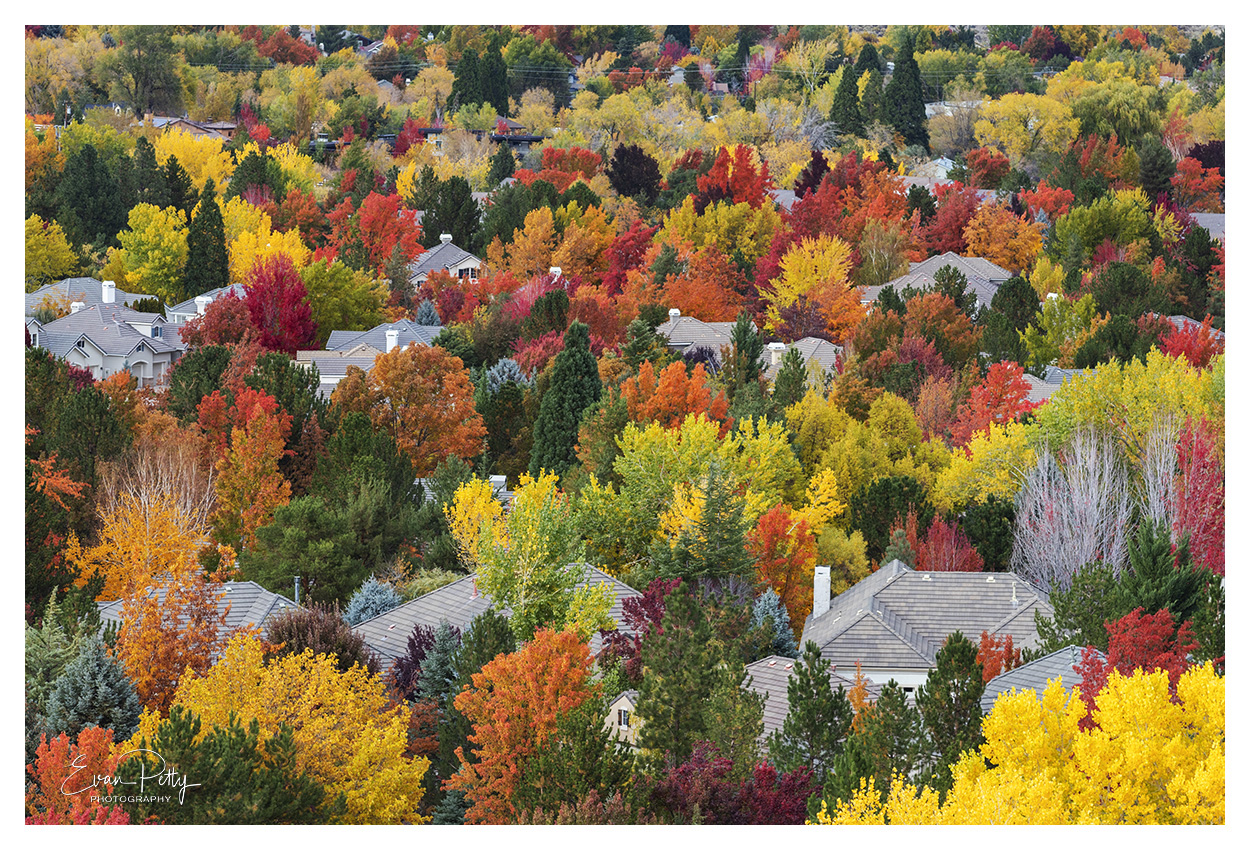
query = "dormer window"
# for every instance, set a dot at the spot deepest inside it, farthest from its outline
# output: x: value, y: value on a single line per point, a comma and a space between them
x: 622, y: 718
x: 156, y: 332
x: 82, y: 344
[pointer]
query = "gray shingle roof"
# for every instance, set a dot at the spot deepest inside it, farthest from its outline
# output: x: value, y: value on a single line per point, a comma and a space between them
x: 1035, y: 675
x: 686, y: 331
x: 1213, y: 223
x: 771, y: 676
x: 812, y: 349
x: 898, y: 619
x: 249, y: 605
x: 984, y: 277
x: 188, y: 306
x: 106, y: 325
x: 444, y: 255
x: 88, y: 290
x: 409, y: 331
x: 458, y: 603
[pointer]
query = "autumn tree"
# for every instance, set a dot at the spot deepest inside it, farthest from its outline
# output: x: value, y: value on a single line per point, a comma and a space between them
x: 997, y: 654
x: 49, y: 257
x: 884, y: 742
x: 59, y: 791
x: 515, y: 704
x: 784, y: 549
x: 1199, y: 501
x: 422, y: 397
x: 633, y: 172
x: 249, y: 486
x: 997, y: 235
x: 676, y: 394
x: 998, y: 399
x: 817, y: 271
x: 277, y: 302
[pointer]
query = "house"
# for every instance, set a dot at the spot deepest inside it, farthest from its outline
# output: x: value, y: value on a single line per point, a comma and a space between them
x: 770, y: 677
x: 361, y: 349
x: 185, y: 311
x: 1036, y: 675
x: 457, y: 604
x: 1213, y: 223
x: 223, y: 130
x: 110, y: 339
x: 444, y: 257
x: 686, y: 332
x: 819, y: 355
x: 621, y: 720
x: 894, y: 621
x: 86, y: 290
x: 984, y: 277
x: 245, y: 604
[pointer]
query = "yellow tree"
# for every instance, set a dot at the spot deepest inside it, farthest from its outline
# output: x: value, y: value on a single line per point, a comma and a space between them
x: 155, y: 250
x: 993, y: 464
x: 49, y: 256
x: 201, y: 157
x: 1022, y: 124
x: 1147, y: 760
x: 818, y: 272
x: 1003, y: 238
x: 532, y: 244
x: 348, y: 734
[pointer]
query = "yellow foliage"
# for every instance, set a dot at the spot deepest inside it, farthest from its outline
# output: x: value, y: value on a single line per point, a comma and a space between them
x: 347, y: 733
x: 995, y: 465
x: 1019, y: 124
x: 259, y: 245
x: 1046, y: 277
x: 1148, y: 760
x: 683, y: 511
x: 473, y: 507
x: 200, y: 156
x: 49, y: 256
x: 727, y: 227
x: 821, y: 501
x: 819, y: 270
x: 155, y: 247
x: 239, y: 217
x: 759, y: 457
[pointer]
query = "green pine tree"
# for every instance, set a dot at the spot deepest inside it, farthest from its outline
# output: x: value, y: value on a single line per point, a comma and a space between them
x: 871, y: 98
x: 89, y: 205
x: 903, y: 105
x: 715, y: 546
x: 575, y: 386
x: 93, y: 690
x: 182, y: 194
x: 438, y: 670
x: 814, y: 732
x: 149, y: 179
x: 950, y: 706
x: 791, y: 381
x: 466, y: 88
x: 886, y: 741
x: 744, y: 360
x: 1160, y: 577
x: 1155, y: 167
x: 502, y: 165
x: 845, y: 111
x: 208, y: 264
x: 493, y: 80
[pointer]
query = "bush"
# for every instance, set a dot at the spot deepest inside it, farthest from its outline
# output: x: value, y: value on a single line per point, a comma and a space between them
x: 373, y: 599
x: 321, y: 629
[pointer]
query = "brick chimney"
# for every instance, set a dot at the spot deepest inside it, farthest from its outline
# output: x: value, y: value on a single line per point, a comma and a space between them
x: 392, y: 339
x: 820, y: 591
x: 776, y: 350
x: 108, y: 292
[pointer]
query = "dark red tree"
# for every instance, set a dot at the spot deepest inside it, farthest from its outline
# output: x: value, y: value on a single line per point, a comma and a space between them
x: 278, y: 305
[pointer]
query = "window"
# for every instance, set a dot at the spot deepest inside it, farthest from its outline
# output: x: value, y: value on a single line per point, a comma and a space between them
x: 82, y: 344
x: 156, y: 332
x: 622, y: 718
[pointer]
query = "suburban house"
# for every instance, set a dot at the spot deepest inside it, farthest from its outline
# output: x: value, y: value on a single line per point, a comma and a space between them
x: 770, y: 677
x: 621, y: 720
x: 984, y: 277
x: 445, y: 256
x: 245, y: 604
x: 819, y: 355
x: 223, y: 130
x: 110, y: 339
x: 894, y: 621
x: 1036, y: 675
x: 686, y: 332
x: 457, y: 604
x: 361, y: 348
x: 181, y: 313
x: 87, y: 291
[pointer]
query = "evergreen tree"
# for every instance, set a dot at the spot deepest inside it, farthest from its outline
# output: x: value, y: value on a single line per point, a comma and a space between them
x: 735, y: 721
x: 885, y: 740
x: 814, y: 732
x: 681, y: 669
x: 769, y: 613
x: 208, y: 264
x: 149, y: 179
x: 451, y: 810
x: 845, y: 111
x: 642, y: 343
x: 575, y: 386
x: 493, y: 80
x: 197, y: 374
x: 260, y: 170
x: 93, y: 690
x: 182, y: 193
x: 899, y: 549
x: 791, y: 381
x: 450, y: 209
x: 920, y: 198
x: 372, y: 599
x: 953, y: 283
x: 466, y: 88
x: 744, y: 360
x: 427, y: 314
x: 990, y: 526
x: 89, y: 207
x: 868, y: 60
x: 1159, y: 576
x: 237, y: 780
x: 715, y: 546
x: 1017, y: 300
x: 877, y: 505
x: 88, y: 432
x: 950, y: 705
x: 904, y: 100
x: 438, y: 670
x: 1155, y: 168
x: 502, y: 165
x: 871, y: 98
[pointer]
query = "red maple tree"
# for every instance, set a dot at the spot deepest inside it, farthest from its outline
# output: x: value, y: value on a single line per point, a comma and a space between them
x: 278, y: 305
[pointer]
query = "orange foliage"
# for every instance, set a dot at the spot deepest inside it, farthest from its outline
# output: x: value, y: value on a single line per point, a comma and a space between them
x: 63, y: 777
x: 674, y: 396
x: 249, y: 485
x: 593, y: 307
x: 858, y: 696
x: 998, y: 399
x: 997, y: 655
x: 51, y: 480
x: 708, y: 289
x: 514, y: 705
x: 785, y: 553
x: 739, y: 175
x: 1004, y: 239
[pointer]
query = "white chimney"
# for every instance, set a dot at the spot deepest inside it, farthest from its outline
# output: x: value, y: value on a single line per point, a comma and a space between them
x: 392, y: 339
x: 820, y: 592
x: 674, y: 314
x: 201, y: 304
x: 555, y: 271
x: 76, y: 306
x: 108, y: 292
x: 776, y: 350
x: 498, y: 483
x: 445, y: 238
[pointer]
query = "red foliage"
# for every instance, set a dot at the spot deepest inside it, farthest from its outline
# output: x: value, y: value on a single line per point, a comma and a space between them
x: 987, y: 167
x: 63, y: 777
x: 574, y: 160
x: 956, y: 205
x: 1054, y: 200
x: 997, y: 654
x: 278, y: 305
x: 1197, y: 189
x: 1133, y: 36
x: 593, y: 307
x: 381, y: 226
x: 1197, y: 343
x: 408, y: 136
x: 946, y: 548
x: 1137, y: 641
x: 738, y: 176
x: 283, y: 49
x: 1040, y: 44
x: 1099, y: 157
x: 300, y: 209
x: 784, y: 549
x: 1198, y: 509
x: 674, y: 396
x: 643, y: 615
x: 708, y: 288
x: 226, y: 321
x: 626, y: 253
x: 624, y: 80
x: 999, y: 398
x: 217, y: 420
x: 704, y: 781
x: 533, y: 355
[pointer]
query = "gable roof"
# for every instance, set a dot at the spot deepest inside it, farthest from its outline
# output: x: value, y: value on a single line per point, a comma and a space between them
x: 898, y: 618
x: 1036, y: 675
x: 812, y: 349
x: 1213, y: 223
x: 375, y: 337
x: 771, y: 676
x: 445, y: 255
x: 188, y: 306
x: 686, y: 331
x: 88, y: 290
x: 108, y: 328
x: 984, y: 277
x: 249, y: 605
x: 458, y: 604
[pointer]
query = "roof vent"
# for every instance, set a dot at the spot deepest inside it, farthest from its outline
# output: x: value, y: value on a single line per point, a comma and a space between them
x: 772, y: 663
x: 76, y: 306
x: 674, y: 313
x: 390, y: 627
x: 1015, y: 603
x: 926, y: 578
x: 989, y: 578
x: 789, y: 666
x: 445, y: 238
x: 555, y: 271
